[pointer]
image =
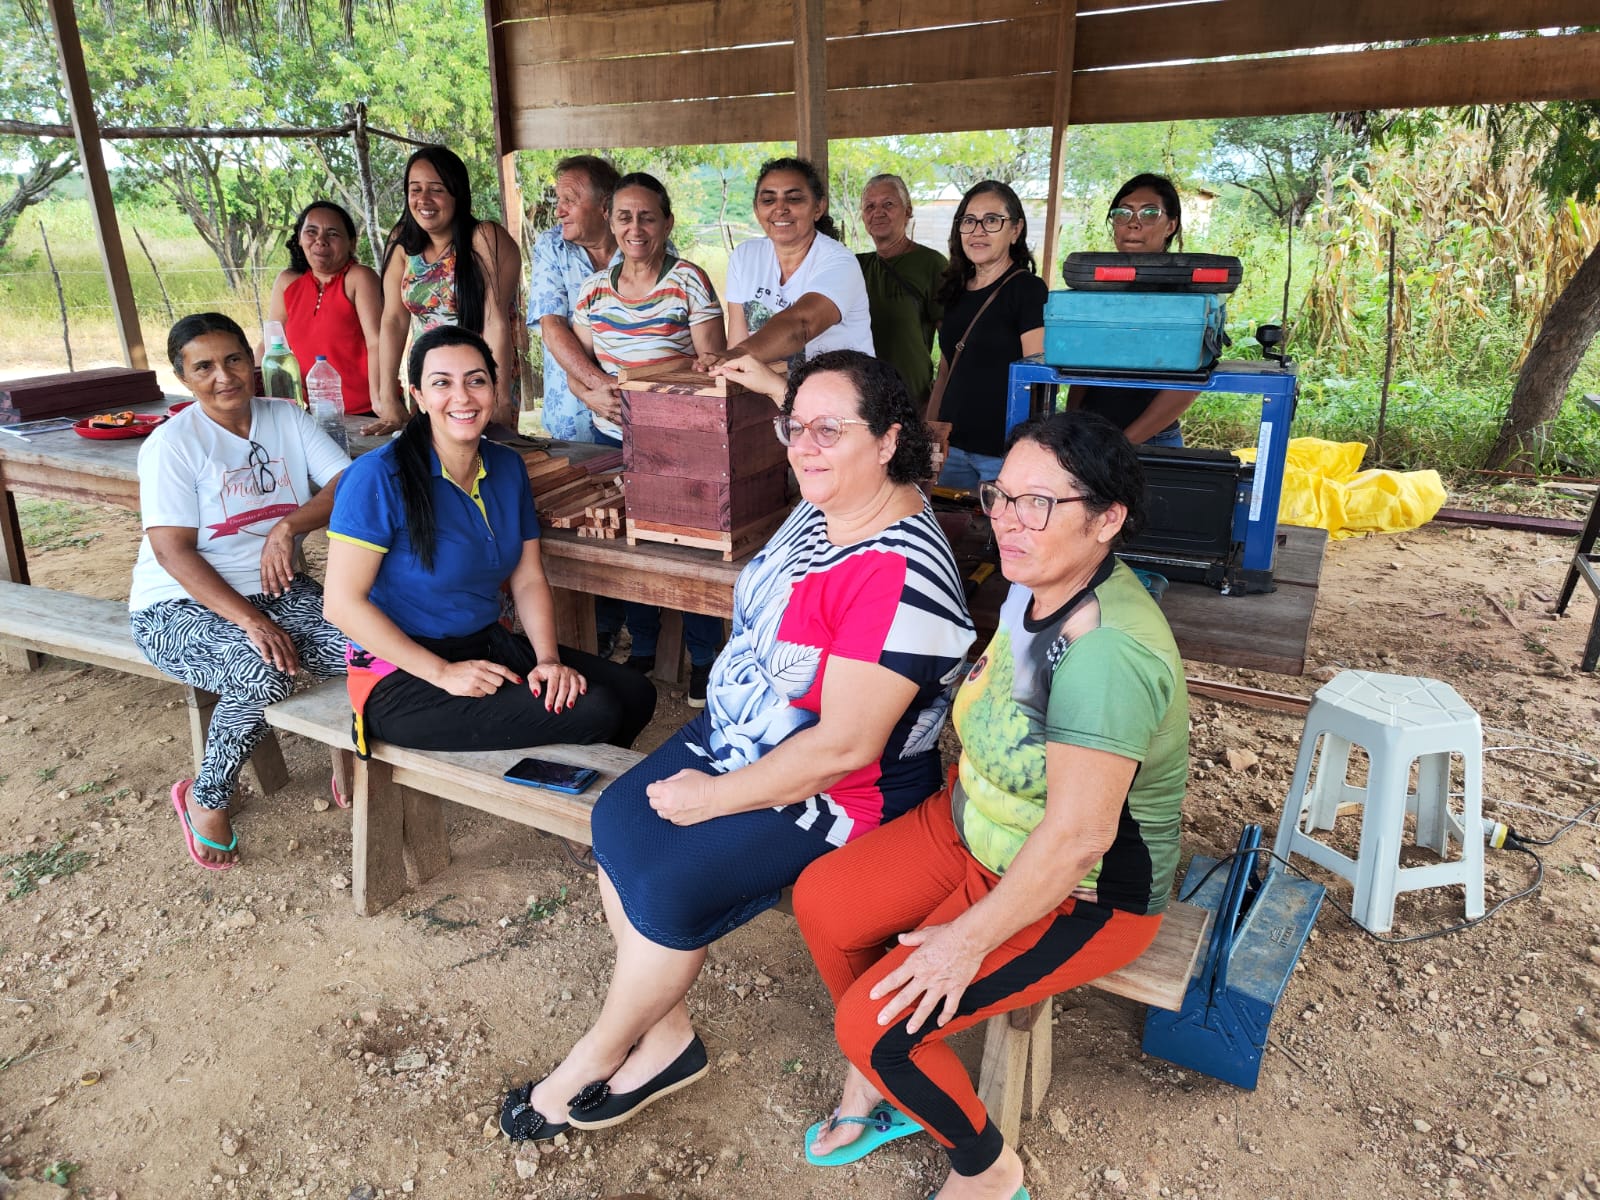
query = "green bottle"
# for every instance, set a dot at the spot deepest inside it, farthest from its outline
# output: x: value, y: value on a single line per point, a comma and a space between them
x: 280, y: 373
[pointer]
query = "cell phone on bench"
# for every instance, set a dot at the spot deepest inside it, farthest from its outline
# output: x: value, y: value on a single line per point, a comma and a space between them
x: 552, y: 776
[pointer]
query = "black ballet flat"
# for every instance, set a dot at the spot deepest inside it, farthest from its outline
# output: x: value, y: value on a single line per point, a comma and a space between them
x: 521, y: 1122
x: 598, y: 1107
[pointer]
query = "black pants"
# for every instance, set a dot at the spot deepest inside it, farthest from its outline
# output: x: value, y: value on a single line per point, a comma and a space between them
x: 405, y: 711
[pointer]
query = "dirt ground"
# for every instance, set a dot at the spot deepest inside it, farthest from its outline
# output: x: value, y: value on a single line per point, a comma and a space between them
x: 167, y: 1032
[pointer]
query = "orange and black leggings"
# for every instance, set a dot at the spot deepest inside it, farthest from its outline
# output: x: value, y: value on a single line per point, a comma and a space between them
x: 915, y: 871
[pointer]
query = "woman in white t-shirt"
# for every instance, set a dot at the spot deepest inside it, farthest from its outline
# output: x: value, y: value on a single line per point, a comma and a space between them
x: 797, y: 291
x: 225, y: 496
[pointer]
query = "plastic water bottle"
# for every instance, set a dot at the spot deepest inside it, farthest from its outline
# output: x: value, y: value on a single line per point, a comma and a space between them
x: 327, y: 400
x: 280, y: 373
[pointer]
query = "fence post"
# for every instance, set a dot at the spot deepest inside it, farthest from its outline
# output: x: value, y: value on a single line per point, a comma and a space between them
x: 61, y: 299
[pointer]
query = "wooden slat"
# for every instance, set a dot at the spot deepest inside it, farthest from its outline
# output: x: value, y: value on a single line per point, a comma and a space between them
x: 1502, y: 72
x: 668, y: 28
x: 1160, y: 976
x: 926, y: 56
x: 866, y: 112
x: 471, y: 778
x: 1241, y: 27
x: 82, y: 628
x: 809, y: 77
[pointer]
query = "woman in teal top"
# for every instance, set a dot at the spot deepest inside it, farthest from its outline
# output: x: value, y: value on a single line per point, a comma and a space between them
x: 1048, y: 859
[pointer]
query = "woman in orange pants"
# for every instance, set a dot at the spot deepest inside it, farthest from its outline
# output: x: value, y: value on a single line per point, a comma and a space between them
x: 1048, y: 860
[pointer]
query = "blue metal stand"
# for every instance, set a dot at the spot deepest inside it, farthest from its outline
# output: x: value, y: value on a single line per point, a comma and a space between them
x: 1276, y: 385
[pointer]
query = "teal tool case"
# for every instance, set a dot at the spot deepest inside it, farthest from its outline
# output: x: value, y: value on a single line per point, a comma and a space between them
x: 1134, y: 331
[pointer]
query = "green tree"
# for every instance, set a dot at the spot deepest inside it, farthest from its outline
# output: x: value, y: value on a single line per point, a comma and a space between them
x: 1283, y: 161
x: 1567, y: 133
x: 30, y: 91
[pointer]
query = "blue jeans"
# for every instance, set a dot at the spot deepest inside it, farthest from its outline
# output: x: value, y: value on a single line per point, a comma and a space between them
x: 1172, y: 438
x: 702, y: 633
x: 963, y: 469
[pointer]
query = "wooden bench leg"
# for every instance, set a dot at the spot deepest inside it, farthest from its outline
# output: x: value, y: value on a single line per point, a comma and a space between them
x: 1010, y: 1042
x: 377, y: 838
x: 267, y: 771
x: 574, y: 612
x: 669, y: 649
x: 344, y: 770
x: 14, y: 569
x: 427, y: 850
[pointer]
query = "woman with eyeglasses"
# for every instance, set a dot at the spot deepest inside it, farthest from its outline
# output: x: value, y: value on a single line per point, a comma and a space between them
x: 993, y: 301
x: 225, y: 495
x: 822, y: 722
x: 1146, y: 217
x: 428, y: 532
x: 1048, y: 859
x: 330, y: 304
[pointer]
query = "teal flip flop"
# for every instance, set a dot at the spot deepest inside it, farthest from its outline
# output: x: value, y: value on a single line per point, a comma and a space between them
x: 1022, y: 1194
x: 883, y: 1124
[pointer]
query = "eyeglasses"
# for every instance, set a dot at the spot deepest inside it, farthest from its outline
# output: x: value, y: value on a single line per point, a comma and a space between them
x: 1146, y: 213
x: 824, y: 431
x: 261, y: 464
x: 991, y: 222
x: 1033, y: 510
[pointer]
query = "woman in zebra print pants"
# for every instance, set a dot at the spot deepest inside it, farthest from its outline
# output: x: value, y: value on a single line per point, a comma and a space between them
x: 225, y: 495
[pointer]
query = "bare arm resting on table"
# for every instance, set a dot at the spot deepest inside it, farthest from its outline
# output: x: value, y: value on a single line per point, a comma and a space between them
x: 1086, y: 793
x: 861, y: 702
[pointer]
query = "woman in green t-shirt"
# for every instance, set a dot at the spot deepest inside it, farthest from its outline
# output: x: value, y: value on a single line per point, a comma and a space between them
x: 1048, y: 859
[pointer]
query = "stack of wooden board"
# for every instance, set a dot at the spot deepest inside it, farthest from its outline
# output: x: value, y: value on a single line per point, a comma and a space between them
x: 592, y: 507
x: 106, y: 389
x: 704, y: 466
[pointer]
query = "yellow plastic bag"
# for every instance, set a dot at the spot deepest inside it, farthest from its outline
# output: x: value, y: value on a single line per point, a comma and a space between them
x: 1324, y: 487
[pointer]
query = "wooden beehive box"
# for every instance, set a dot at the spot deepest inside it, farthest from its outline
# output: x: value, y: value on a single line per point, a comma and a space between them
x: 104, y: 389
x: 701, y: 464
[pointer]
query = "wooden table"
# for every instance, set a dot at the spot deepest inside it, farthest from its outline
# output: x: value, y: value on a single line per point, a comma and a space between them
x: 1264, y: 632
x: 64, y: 466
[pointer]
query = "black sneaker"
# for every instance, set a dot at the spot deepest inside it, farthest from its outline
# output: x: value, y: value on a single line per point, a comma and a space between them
x: 642, y: 663
x: 698, y: 678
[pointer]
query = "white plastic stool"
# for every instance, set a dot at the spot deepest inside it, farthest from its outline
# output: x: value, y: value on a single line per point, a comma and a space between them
x: 1397, y: 719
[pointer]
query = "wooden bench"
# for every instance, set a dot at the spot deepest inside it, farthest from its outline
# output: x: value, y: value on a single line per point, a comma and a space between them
x: 398, y: 841
x: 1016, y: 1041
x: 90, y: 630
x: 397, y: 834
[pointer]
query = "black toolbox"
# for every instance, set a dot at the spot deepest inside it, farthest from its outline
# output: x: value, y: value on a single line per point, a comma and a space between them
x: 1100, y: 272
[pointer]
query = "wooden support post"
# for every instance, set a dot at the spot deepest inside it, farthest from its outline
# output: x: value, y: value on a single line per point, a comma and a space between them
x: 1060, y: 113
x: 14, y: 569
x: 575, y: 619
x: 811, y: 83
x: 377, y: 838
x: 80, y: 100
x: 1001, y: 1078
x: 669, y: 649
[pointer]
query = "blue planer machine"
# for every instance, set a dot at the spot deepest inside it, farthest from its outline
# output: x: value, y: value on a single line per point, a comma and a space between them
x: 1260, y: 925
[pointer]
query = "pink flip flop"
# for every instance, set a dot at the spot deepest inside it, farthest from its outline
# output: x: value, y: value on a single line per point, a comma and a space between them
x: 338, y: 796
x: 189, y: 834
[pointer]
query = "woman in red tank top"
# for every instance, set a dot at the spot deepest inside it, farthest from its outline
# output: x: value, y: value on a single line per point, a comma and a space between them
x: 329, y: 304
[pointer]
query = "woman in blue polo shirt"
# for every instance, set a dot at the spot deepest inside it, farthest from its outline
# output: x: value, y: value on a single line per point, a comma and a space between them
x: 425, y: 532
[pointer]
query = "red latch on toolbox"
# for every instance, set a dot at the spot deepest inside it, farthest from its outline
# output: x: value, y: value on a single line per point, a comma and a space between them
x: 1114, y: 274
x: 1209, y: 275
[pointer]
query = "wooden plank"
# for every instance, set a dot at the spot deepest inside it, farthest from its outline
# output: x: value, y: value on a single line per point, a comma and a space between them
x: 1258, y: 633
x: 1001, y: 1075
x: 86, y: 129
x: 687, y: 454
x: 82, y: 628
x: 914, y: 57
x: 1061, y: 115
x: 1243, y: 27
x: 1501, y: 72
x: 1235, y: 693
x: 1160, y: 976
x: 1299, y: 555
x: 675, y: 377
x: 427, y: 848
x: 1527, y: 69
x: 535, y: 36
